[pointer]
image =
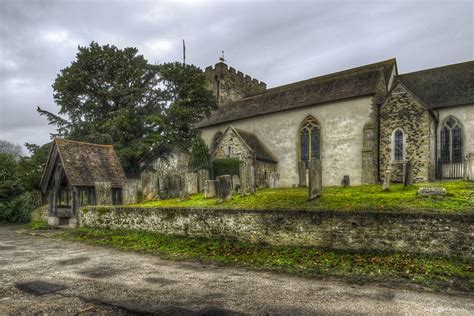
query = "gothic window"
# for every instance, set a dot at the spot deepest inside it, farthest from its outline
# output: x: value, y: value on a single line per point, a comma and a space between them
x: 398, y: 145
x: 451, y: 140
x: 310, y: 140
x: 215, y: 140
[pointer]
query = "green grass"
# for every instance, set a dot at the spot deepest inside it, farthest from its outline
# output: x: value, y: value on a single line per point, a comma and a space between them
x: 428, y: 271
x: 38, y: 225
x: 460, y: 198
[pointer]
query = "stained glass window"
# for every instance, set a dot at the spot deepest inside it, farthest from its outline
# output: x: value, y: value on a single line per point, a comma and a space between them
x: 451, y: 140
x: 398, y: 145
x: 310, y: 140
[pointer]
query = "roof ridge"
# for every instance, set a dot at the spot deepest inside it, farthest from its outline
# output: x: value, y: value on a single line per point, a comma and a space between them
x: 436, y: 68
x: 81, y: 142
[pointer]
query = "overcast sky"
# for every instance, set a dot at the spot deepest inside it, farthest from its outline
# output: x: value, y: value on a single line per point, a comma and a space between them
x: 276, y: 42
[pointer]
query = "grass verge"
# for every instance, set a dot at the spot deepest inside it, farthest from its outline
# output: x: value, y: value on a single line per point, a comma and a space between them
x: 429, y: 271
x: 460, y: 199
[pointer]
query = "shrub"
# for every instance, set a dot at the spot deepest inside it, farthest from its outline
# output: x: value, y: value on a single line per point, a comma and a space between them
x: 200, y: 156
x: 226, y: 166
x: 17, y: 210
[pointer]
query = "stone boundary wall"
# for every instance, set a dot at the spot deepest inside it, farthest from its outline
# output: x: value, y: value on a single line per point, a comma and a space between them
x: 440, y: 234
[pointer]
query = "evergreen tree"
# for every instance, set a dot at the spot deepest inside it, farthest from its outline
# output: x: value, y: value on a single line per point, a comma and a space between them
x: 200, y: 156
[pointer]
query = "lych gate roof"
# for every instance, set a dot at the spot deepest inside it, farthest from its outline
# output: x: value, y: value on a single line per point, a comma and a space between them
x: 444, y: 86
x: 258, y: 148
x: 84, y: 163
x: 337, y: 86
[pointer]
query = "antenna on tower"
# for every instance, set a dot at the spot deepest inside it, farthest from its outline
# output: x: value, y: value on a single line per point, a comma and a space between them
x: 222, y: 57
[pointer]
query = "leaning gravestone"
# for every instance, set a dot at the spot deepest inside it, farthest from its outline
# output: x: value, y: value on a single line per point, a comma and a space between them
x: 386, y: 181
x: 174, y: 186
x: 427, y: 191
x: 223, y: 188
x: 315, y: 185
x: 346, y: 182
x: 406, y: 173
x: 191, y: 182
x: 203, y: 176
x: 235, y: 183
x: 302, y: 173
x: 274, y: 180
x: 130, y: 191
x: 209, y: 188
x: 103, y: 193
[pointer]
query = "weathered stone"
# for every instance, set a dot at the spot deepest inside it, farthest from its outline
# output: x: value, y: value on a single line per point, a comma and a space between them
x: 315, y: 178
x: 253, y: 185
x: 209, y: 188
x: 302, y: 173
x: 274, y: 180
x: 203, y: 176
x: 235, y: 183
x: 386, y: 180
x: 191, y: 182
x: 346, y: 182
x: 223, y: 188
x: 53, y: 220
x: 72, y: 223
x: 406, y: 173
x: 469, y: 167
x: 427, y: 191
x: 164, y: 183
x: 174, y: 186
x: 163, y: 195
x: 149, y: 185
x: 103, y: 193
x: 244, y: 174
x: 130, y: 191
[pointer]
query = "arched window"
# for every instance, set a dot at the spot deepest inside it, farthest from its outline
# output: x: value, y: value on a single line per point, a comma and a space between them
x: 215, y: 140
x: 398, y: 145
x: 310, y: 140
x: 451, y: 140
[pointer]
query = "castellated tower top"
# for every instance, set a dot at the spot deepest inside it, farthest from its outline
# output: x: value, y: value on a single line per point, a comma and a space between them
x: 230, y: 85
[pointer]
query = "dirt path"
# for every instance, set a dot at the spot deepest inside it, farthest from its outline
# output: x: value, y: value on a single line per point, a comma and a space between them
x: 39, y: 274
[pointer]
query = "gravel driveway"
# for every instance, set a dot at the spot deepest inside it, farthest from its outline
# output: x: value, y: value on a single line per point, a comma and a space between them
x: 45, y: 275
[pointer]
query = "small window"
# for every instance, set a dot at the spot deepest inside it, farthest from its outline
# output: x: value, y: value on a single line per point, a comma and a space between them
x: 398, y: 145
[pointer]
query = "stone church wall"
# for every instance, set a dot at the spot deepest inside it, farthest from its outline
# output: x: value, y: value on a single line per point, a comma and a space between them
x: 403, y: 110
x: 342, y: 129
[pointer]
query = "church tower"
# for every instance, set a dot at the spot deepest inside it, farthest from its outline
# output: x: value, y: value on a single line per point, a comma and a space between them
x: 230, y: 85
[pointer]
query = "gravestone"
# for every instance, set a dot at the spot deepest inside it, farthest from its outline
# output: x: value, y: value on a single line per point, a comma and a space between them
x: 406, y: 173
x: 203, y: 176
x: 386, y: 181
x: 346, y: 182
x: 427, y: 191
x: 223, y: 188
x: 174, y: 188
x: 302, y: 173
x: 149, y: 185
x: 163, y: 185
x: 253, y: 185
x: 315, y: 184
x: 244, y: 174
x: 469, y: 167
x: 261, y: 180
x: 235, y: 183
x: 103, y: 193
x: 274, y: 180
x: 130, y: 191
x: 209, y: 188
x: 191, y: 182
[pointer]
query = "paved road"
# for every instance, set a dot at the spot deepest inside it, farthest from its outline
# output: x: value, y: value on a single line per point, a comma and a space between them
x: 45, y: 275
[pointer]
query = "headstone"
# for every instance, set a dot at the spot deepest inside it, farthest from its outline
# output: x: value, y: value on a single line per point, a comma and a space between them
x: 406, y: 173
x: 149, y: 185
x: 252, y: 181
x: 469, y: 167
x: 235, y: 183
x: 191, y: 182
x: 261, y: 180
x: 103, y: 193
x: 130, y: 191
x: 427, y: 191
x: 184, y: 195
x: 274, y: 180
x: 209, y: 188
x: 315, y: 185
x: 163, y: 183
x: 223, y: 188
x: 302, y: 173
x: 203, y: 176
x: 346, y: 182
x: 244, y: 174
x: 386, y: 181
x: 174, y: 186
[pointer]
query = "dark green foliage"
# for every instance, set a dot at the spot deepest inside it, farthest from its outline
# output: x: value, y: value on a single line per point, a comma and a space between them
x: 225, y: 166
x: 200, y: 156
x: 114, y: 96
x: 32, y: 167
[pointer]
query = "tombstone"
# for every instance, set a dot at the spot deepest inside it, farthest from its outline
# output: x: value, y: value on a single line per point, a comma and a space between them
x: 427, y: 191
x: 274, y: 180
x: 191, y: 182
x: 149, y: 185
x: 163, y: 185
x: 235, y: 183
x: 469, y: 167
x: 346, y: 181
x: 103, y: 193
x: 386, y: 181
x: 302, y: 173
x: 209, y: 188
x: 252, y: 185
x: 130, y: 191
x: 261, y: 180
x: 203, y: 176
x: 174, y: 188
x: 315, y: 184
x: 223, y: 188
x: 406, y: 173
x: 184, y: 195
x: 244, y: 174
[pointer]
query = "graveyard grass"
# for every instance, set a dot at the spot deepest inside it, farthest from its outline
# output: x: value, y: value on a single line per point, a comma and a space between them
x: 459, y: 198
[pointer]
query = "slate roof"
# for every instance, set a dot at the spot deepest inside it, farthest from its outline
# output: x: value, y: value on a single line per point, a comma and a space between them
x: 337, y: 86
x: 259, y: 149
x: 85, y: 163
x: 444, y: 86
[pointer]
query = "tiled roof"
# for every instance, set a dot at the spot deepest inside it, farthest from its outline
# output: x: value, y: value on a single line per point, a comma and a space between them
x: 260, y: 150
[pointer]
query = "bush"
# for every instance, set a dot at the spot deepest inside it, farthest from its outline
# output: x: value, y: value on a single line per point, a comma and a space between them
x: 226, y: 166
x: 200, y: 156
x: 17, y: 210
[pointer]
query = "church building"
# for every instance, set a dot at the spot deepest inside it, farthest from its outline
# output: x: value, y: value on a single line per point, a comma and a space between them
x: 359, y: 122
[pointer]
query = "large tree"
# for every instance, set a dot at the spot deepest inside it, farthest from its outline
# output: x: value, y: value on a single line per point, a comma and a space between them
x: 114, y: 96
x: 10, y: 148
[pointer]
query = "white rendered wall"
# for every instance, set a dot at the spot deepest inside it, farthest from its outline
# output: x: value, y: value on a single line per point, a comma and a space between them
x: 465, y: 115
